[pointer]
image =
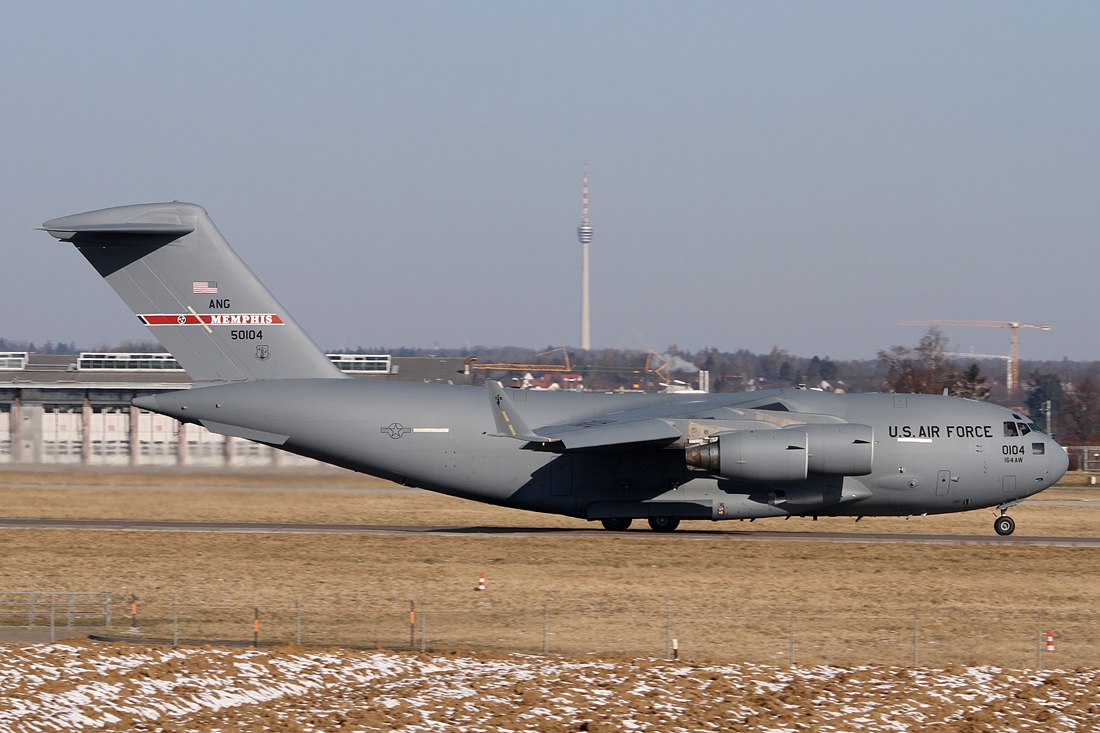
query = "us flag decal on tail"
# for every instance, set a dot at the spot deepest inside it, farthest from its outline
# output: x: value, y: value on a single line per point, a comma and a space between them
x: 204, y: 287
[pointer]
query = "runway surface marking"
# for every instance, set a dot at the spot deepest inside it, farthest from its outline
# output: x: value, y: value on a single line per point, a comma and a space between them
x: 122, y: 525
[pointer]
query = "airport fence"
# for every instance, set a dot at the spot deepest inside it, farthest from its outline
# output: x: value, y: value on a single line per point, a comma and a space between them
x: 1084, y: 458
x: 804, y: 634
x: 60, y: 608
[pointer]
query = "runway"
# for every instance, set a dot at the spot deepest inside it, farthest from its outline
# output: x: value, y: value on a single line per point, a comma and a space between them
x: 109, y: 525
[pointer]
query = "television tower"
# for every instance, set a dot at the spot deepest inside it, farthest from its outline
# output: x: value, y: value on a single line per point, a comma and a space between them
x: 584, y: 234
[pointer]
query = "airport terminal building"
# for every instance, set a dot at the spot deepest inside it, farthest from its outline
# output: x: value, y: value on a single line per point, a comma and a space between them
x: 75, y: 409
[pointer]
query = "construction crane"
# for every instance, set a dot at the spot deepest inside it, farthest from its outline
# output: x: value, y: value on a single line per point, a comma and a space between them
x: 663, y: 372
x: 526, y: 367
x: 1013, y: 360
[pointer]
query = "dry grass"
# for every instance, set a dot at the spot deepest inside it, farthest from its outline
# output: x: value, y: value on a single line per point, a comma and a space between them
x: 853, y: 603
x: 342, y: 497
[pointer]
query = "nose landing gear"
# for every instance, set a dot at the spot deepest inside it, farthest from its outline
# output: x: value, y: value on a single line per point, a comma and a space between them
x: 1004, y: 525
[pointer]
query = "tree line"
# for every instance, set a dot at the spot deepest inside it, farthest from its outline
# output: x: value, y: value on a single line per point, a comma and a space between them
x: 1071, y: 388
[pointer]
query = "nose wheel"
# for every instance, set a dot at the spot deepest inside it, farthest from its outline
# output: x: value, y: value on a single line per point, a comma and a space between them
x: 1004, y: 526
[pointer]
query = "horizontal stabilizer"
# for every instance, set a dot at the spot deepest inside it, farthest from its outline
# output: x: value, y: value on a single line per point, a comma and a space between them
x: 58, y: 230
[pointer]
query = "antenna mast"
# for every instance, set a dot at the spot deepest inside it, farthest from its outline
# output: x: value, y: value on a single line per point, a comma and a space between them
x: 584, y: 235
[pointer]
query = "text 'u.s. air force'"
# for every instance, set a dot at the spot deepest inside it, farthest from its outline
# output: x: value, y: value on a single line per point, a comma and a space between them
x: 941, y: 431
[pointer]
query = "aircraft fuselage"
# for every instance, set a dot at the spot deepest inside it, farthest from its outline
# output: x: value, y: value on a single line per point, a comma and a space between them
x: 931, y: 454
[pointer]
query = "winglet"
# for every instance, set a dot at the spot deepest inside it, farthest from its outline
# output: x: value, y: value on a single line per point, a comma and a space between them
x: 509, y: 423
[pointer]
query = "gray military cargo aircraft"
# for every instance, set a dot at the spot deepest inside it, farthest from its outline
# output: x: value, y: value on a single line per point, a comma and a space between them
x: 606, y: 457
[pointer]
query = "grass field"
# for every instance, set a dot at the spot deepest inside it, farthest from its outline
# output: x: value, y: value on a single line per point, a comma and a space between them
x: 721, y: 598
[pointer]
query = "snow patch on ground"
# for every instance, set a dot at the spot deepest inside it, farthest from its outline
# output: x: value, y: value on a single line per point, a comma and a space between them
x: 90, y: 686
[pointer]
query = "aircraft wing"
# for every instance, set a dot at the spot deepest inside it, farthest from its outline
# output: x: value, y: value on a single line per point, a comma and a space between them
x: 652, y: 425
x: 604, y: 432
x: 608, y: 433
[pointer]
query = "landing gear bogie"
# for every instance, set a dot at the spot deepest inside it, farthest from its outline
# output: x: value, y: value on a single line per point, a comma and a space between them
x: 1004, y: 526
x: 616, y: 524
x: 664, y: 524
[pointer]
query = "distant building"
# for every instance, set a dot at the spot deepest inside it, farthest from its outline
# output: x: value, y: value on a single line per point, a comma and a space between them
x: 75, y: 409
x: 549, y: 381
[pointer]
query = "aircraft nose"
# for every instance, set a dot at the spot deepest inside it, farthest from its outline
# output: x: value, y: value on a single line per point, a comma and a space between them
x: 1059, y: 462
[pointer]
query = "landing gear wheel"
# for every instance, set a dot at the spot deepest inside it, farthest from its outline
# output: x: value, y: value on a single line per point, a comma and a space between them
x: 1004, y: 526
x: 616, y: 524
x: 664, y: 524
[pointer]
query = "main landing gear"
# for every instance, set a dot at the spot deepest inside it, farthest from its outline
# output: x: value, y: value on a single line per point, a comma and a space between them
x: 658, y: 524
x: 664, y: 524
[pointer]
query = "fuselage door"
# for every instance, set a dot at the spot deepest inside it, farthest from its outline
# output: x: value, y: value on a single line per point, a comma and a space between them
x: 1008, y: 483
x: 943, y: 483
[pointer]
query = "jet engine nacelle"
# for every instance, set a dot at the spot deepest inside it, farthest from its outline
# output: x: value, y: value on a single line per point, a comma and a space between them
x: 790, y: 454
x: 841, y: 449
x: 754, y: 455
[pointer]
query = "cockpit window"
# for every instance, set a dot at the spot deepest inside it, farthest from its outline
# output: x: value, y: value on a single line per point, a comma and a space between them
x: 1010, y: 429
x: 1034, y: 427
x: 1024, y: 429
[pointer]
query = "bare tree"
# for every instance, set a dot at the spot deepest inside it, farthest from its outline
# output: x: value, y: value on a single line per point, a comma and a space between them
x: 132, y: 347
x: 1079, y: 414
x: 926, y: 369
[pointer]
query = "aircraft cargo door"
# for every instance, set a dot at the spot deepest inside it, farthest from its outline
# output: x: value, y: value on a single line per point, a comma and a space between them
x: 561, y: 476
x: 943, y: 483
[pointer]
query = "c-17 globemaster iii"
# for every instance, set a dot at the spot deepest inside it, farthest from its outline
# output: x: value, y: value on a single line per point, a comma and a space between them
x: 606, y: 457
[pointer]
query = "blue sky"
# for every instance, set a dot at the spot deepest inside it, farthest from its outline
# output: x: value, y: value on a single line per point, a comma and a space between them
x: 792, y: 174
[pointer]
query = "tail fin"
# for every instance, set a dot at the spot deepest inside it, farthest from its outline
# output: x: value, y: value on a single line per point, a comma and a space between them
x: 175, y: 270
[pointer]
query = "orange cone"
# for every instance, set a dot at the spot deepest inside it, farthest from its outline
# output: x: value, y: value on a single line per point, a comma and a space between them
x: 1050, y: 641
x: 481, y: 582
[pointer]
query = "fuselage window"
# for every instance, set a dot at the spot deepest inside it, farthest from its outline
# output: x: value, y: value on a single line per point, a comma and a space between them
x: 1010, y: 430
x: 1038, y: 449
